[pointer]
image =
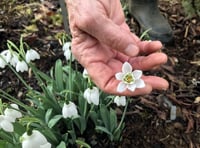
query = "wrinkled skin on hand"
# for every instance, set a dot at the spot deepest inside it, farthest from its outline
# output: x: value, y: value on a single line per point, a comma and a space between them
x: 102, y: 42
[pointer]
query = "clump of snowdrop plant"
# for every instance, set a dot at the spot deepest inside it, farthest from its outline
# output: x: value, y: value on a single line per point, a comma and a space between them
x: 60, y: 113
x: 129, y: 79
x: 17, y: 57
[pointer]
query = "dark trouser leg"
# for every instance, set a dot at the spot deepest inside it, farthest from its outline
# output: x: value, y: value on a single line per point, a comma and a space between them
x: 148, y: 15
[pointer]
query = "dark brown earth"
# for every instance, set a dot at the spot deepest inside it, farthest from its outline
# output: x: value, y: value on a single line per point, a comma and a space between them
x: 148, y: 123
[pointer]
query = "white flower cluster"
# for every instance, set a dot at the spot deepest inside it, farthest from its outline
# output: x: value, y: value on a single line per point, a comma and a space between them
x: 10, y: 115
x: 35, y: 140
x: 12, y: 57
x: 67, y: 51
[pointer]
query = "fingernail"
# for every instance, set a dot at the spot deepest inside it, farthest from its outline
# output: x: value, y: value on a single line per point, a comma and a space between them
x: 131, y: 50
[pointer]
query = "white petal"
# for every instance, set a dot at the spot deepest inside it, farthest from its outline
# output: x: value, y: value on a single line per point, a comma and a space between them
x: 47, y: 145
x: 120, y: 100
x: 85, y: 74
x: 92, y: 95
x: 121, y: 87
x: 5, y: 124
x: 21, y: 66
x: 67, y: 54
x: 2, y: 63
x: 140, y: 83
x: 126, y: 67
x: 69, y: 110
x: 119, y: 76
x: 31, y: 55
x: 33, y: 141
x: 131, y: 87
x: 12, y: 113
x: 66, y: 46
x: 14, y: 59
x: 137, y: 74
x: 6, y: 55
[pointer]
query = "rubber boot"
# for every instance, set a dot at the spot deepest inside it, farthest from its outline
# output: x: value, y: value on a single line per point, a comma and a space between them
x: 148, y: 15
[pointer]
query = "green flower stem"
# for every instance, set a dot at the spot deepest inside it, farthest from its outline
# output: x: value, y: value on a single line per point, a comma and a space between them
x: 123, y: 116
x: 92, y: 107
x: 85, y: 109
x: 70, y: 77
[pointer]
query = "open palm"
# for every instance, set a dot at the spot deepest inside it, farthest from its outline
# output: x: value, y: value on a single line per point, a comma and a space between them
x: 102, y: 42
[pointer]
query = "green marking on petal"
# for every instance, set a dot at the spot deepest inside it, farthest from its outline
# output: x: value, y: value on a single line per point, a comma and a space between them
x: 129, y: 78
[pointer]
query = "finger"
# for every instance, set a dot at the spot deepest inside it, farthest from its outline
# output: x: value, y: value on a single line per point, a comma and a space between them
x: 109, y: 33
x: 148, y: 62
x: 147, y: 47
x: 156, y: 82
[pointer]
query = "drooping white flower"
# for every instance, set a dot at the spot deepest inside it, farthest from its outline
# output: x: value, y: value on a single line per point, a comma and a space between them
x: 66, y: 46
x: 120, y: 100
x: 31, y: 55
x: 69, y: 110
x: 5, y: 124
x: 5, y: 57
x: 35, y: 140
x: 21, y: 66
x: 92, y: 95
x: 85, y: 74
x: 11, y: 113
x: 67, y: 51
x: 129, y: 79
x: 2, y: 63
x: 14, y: 59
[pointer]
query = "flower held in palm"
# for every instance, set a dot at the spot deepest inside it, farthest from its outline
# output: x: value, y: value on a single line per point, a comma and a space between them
x: 129, y: 79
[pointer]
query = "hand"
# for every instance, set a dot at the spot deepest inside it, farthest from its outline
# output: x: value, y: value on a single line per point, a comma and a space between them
x: 102, y: 42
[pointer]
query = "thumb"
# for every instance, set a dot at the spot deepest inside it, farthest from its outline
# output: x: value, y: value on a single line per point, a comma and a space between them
x: 111, y: 34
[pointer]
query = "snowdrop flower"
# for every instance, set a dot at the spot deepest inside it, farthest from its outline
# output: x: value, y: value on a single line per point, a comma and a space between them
x: 21, y: 66
x: 67, y: 51
x: 11, y: 113
x: 129, y: 79
x: 92, y: 95
x: 120, y: 100
x: 31, y: 55
x: 69, y: 110
x: 85, y: 74
x: 35, y: 140
x: 2, y: 62
x: 66, y: 46
x: 14, y: 59
x: 5, y: 124
x: 5, y: 57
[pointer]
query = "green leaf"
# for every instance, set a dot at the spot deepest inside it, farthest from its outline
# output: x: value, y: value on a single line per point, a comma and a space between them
x: 19, y: 128
x: 93, y: 115
x: 54, y: 120
x: 81, y: 123
x: 113, y: 120
x: 48, y: 115
x: 59, y: 75
x: 61, y: 145
x: 105, y: 116
x: 117, y: 133
x: 82, y: 144
x: 105, y: 130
